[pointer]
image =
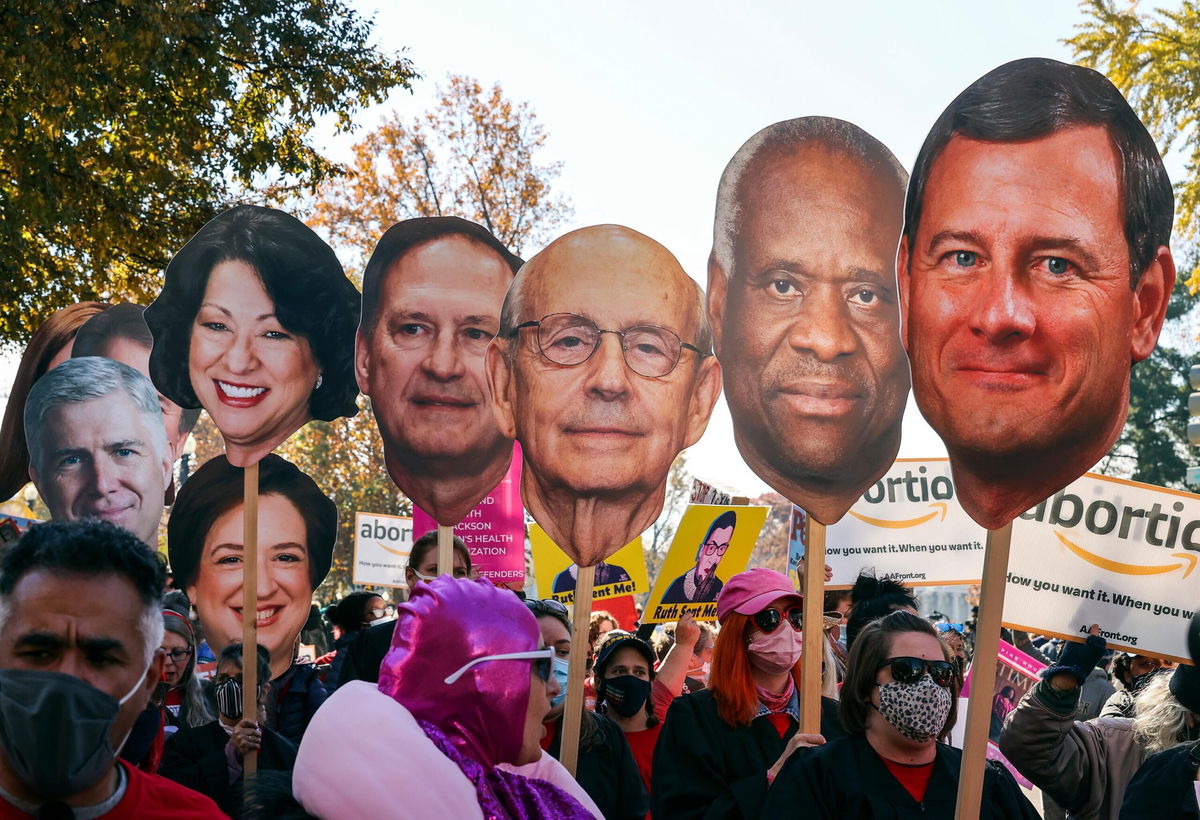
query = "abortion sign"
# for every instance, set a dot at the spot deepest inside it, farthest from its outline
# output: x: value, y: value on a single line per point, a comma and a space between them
x: 381, y: 547
x: 1111, y: 552
x: 908, y: 526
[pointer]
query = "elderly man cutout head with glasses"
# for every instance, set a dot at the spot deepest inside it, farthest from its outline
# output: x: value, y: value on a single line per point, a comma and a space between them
x: 603, y: 372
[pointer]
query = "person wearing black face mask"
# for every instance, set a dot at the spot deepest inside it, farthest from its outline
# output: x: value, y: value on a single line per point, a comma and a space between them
x: 633, y: 694
x: 209, y: 758
x: 80, y: 631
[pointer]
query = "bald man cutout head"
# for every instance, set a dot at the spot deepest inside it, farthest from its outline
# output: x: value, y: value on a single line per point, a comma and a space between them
x: 602, y: 372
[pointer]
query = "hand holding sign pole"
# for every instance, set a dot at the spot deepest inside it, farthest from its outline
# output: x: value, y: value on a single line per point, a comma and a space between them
x: 602, y: 372
x: 1022, y: 331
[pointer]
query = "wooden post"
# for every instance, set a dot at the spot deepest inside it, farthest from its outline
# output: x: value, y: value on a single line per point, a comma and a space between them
x: 445, y: 551
x: 568, y: 753
x: 250, y: 606
x: 983, y: 672
x: 814, y: 627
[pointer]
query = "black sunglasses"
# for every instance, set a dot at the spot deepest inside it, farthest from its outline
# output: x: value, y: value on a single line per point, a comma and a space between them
x: 541, y: 668
x: 546, y: 606
x: 768, y: 620
x: 911, y: 670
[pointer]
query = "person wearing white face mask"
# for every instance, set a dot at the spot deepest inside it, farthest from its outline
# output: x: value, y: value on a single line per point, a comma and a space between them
x: 719, y: 748
x: 80, y: 630
x: 898, y: 699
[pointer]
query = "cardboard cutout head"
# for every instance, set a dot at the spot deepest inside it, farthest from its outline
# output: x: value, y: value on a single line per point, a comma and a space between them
x: 121, y: 334
x: 432, y: 292
x: 255, y: 323
x: 97, y: 446
x: 297, y: 527
x: 602, y: 372
x: 1034, y: 272
x: 802, y: 299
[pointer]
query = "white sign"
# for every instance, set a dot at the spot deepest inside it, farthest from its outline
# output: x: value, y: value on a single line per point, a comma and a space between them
x: 907, y: 526
x: 1111, y: 552
x: 381, y: 547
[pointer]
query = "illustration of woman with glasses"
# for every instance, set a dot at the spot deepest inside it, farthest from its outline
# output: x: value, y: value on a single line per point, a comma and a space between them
x: 700, y: 584
x: 899, y: 698
x: 720, y: 747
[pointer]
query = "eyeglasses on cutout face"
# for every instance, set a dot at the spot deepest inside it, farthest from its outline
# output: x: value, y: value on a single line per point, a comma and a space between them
x: 768, y: 620
x: 540, y: 657
x: 569, y: 339
x: 713, y: 547
x: 910, y: 670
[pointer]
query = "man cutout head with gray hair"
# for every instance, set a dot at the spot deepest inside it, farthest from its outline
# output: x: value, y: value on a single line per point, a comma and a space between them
x: 97, y: 446
x: 602, y: 371
x: 802, y: 300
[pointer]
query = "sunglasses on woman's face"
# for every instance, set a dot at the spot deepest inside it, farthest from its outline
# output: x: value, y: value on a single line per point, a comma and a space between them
x: 911, y: 670
x: 768, y: 620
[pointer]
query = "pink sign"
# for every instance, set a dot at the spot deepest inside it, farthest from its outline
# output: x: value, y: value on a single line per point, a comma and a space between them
x: 494, y: 531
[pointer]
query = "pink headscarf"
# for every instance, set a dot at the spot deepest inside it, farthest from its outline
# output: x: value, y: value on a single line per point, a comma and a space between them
x: 444, y: 624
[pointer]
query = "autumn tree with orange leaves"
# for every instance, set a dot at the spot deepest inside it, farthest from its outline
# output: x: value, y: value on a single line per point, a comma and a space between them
x: 474, y: 155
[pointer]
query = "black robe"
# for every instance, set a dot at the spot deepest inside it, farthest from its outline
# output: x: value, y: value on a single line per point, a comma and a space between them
x: 846, y: 778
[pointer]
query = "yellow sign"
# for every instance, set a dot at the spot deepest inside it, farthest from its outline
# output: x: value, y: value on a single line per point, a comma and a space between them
x: 713, y: 543
x: 623, y: 573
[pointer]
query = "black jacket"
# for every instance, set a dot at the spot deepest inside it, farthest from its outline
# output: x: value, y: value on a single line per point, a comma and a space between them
x: 365, y: 654
x: 705, y: 768
x: 847, y: 778
x: 295, y: 697
x: 195, y: 757
x: 607, y: 770
x: 1164, y: 787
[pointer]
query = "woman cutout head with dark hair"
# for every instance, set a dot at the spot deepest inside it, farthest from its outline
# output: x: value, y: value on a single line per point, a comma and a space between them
x: 256, y: 323
x: 898, y: 699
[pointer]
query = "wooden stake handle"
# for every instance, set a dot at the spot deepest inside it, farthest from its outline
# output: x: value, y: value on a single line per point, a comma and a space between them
x: 250, y: 606
x: 568, y: 753
x: 814, y: 627
x: 983, y: 672
x: 445, y: 553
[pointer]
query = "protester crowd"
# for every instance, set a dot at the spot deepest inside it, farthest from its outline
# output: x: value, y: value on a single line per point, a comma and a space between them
x: 103, y: 710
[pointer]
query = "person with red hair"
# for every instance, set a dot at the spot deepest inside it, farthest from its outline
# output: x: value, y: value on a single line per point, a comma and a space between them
x: 720, y: 748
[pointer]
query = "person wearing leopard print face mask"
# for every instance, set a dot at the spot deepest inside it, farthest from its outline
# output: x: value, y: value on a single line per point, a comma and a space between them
x: 898, y: 699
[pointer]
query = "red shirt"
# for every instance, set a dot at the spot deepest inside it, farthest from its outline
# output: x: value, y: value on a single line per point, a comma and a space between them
x: 915, y: 779
x: 147, y: 797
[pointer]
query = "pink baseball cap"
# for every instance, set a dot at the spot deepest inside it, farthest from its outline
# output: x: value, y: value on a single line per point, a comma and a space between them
x: 751, y: 591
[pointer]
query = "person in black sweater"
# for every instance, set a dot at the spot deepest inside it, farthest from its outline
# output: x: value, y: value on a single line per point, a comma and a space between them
x: 899, y: 697
x: 720, y: 747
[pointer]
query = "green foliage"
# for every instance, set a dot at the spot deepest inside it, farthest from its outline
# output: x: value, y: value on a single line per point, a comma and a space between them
x: 126, y: 125
x: 1153, y: 447
x: 1155, y: 60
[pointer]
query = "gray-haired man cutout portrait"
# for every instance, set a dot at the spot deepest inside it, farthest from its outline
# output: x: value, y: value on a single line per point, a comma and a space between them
x: 803, y: 304
x: 97, y: 446
x: 602, y: 372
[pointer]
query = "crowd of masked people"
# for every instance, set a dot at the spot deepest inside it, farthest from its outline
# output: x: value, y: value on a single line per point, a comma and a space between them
x: 453, y: 708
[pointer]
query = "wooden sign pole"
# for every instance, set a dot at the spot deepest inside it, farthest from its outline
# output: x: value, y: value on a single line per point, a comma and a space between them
x: 250, y: 681
x: 445, y: 553
x: 814, y: 623
x: 983, y: 672
x: 568, y: 753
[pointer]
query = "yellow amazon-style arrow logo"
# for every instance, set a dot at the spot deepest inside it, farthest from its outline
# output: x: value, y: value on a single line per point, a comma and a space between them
x: 1189, y: 562
x: 911, y: 522
x: 401, y: 553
